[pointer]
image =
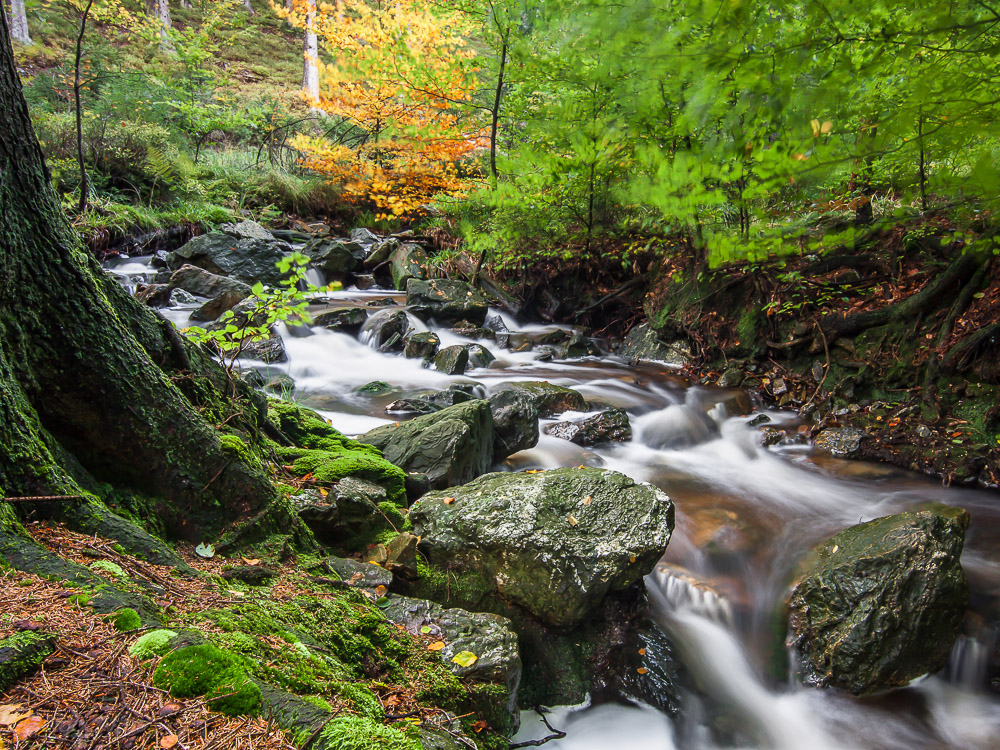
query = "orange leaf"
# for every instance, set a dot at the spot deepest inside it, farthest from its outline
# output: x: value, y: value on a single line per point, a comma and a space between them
x: 169, y: 741
x: 29, y: 727
x: 380, y: 591
x: 11, y: 713
x: 250, y: 561
x: 449, y: 500
x: 436, y: 646
x: 642, y: 670
x: 479, y: 726
x: 642, y: 652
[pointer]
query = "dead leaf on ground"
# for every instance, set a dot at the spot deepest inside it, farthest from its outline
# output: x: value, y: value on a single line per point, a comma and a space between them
x: 11, y: 713
x: 436, y: 646
x: 28, y: 727
x: 169, y: 741
x: 465, y: 658
x: 168, y: 709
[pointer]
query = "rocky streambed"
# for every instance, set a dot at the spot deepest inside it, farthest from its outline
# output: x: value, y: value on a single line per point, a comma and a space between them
x: 600, y: 531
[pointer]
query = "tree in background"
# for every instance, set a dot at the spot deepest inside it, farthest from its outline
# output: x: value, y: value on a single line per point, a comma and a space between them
x: 400, y: 84
x: 19, y: 22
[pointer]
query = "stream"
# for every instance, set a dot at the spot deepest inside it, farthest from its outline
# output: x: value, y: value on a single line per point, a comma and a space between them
x: 746, y: 514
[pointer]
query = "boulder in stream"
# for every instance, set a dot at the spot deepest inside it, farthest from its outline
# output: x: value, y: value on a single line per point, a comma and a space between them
x: 422, y: 345
x: 334, y: 257
x: 387, y: 329
x: 643, y: 343
x: 446, y: 301
x: 409, y: 261
x: 195, y: 280
x: 244, y: 251
x: 452, y: 360
x: 515, y: 423
x: 610, y: 425
x: 451, y: 446
x: 345, y: 319
x: 549, y: 399
x: 881, y: 603
x: 554, y: 543
x: 840, y: 442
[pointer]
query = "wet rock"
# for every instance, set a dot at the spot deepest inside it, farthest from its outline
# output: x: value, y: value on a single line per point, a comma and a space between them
x: 154, y: 295
x: 245, y: 313
x: 333, y: 257
x: 515, y: 423
x: 412, y: 406
x: 642, y: 343
x: 382, y: 302
x: 386, y: 329
x: 352, y: 513
x: 471, y: 332
x: 364, y: 281
x: 446, y: 301
x: 451, y: 446
x: 212, y: 309
x: 376, y: 388
x: 732, y: 378
x: 380, y: 253
x: 239, y: 251
x: 881, y: 603
x: 452, y: 360
x: 457, y: 393
x: 364, y: 236
x: 770, y: 436
x: 610, y: 425
x: 206, y: 284
x: 731, y: 403
x: 677, y: 426
x: 648, y: 670
x: 358, y: 575
x: 554, y: 543
x: 422, y: 345
x: 180, y: 297
x: 490, y: 637
x: 346, y: 319
x: 270, y: 350
x: 577, y: 346
x: 924, y: 431
x: 501, y: 334
x: 401, y: 555
x: 409, y: 262
x: 549, y: 399
x: 479, y: 355
x: 21, y: 654
x: 840, y: 442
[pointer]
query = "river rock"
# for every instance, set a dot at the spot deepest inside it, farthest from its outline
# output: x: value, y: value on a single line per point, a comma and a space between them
x: 270, y: 350
x: 358, y: 575
x: 380, y: 253
x: 345, y: 319
x: 446, y: 301
x: 515, y: 423
x: 422, y: 345
x: 610, y: 425
x: 334, y: 257
x: 840, y: 442
x: 479, y: 355
x: 387, y: 329
x: 350, y: 512
x: 490, y: 637
x: 881, y: 603
x: 452, y: 360
x: 642, y: 343
x: 554, y: 543
x: 501, y: 334
x: 212, y: 309
x: 549, y: 399
x: 243, y: 255
x: 198, y: 281
x: 154, y: 295
x: 409, y: 262
x: 364, y: 236
x: 181, y: 297
x: 247, y: 230
x: 451, y: 446
x: 576, y: 346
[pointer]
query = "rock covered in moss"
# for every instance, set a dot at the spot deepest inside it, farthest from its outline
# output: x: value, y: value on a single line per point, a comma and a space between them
x: 153, y: 643
x: 208, y: 670
x: 407, y: 262
x: 352, y: 513
x: 446, y: 301
x: 555, y: 543
x: 346, y: 319
x: 248, y: 257
x: 549, y: 399
x: 126, y: 619
x: 451, y: 446
x: 452, y: 360
x: 490, y: 638
x: 881, y: 603
x: 421, y: 345
x: 643, y: 343
x: 386, y: 330
x: 479, y: 355
x: 840, y: 442
x: 21, y: 654
x: 610, y: 425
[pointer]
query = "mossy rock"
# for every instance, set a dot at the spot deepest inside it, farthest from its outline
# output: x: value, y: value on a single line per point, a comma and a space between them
x: 153, y: 643
x: 21, y: 654
x: 549, y: 399
x: 234, y: 694
x: 127, y: 619
x: 361, y: 733
x: 361, y: 461
x: 305, y: 428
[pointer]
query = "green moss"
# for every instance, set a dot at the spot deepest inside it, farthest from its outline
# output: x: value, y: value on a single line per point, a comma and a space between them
x: 359, y: 733
x: 361, y: 699
x: 21, y: 654
x: 363, y: 461
x: 81, y: 600
x: 305, y: 428
x: 193, y: 670
x: 236, y: 448
x: 234, y: 694
x: 106, y: 566
x: 154, y: 643
x: 127, y: 619
x: 392, y: 515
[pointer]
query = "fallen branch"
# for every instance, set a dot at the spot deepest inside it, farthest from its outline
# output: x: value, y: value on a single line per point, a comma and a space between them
x: 556, y: 733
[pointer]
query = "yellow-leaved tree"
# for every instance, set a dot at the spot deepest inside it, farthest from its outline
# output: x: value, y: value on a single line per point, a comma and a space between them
x: 401, y: 82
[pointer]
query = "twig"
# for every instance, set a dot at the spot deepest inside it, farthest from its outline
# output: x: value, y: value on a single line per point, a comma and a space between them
x: 556, y: 734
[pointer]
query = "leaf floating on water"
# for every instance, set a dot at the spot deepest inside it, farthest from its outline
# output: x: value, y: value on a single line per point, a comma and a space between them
x: 572, y: 520
x: 11, y: 713
x: 169, y: 741
x: 436, y: 646
x: 465, y: 658
x: 28, y: 727
x: 205, y: 550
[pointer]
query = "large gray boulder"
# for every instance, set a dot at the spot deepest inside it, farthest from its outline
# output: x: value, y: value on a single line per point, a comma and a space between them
x: 610, y: 425
x: 642, y: 343
x: 549, y: 399
x: 881, y: 603
x: 553, y: 543
x: 489, y: 637
x: 451, y: 446
x: 334, y: 257
x: 204, y: 283
x: 446, y: 301
x: 244, y: 251
x: 409, y: 261
x: 515, y: 423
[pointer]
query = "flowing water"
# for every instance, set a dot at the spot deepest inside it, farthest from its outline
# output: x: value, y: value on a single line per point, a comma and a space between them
x: 745, y: 515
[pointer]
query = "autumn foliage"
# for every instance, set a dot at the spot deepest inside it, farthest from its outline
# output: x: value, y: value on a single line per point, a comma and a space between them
x: 400, y: 82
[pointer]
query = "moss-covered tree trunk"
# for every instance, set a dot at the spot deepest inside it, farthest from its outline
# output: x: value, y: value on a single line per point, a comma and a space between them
x: 94, y: 386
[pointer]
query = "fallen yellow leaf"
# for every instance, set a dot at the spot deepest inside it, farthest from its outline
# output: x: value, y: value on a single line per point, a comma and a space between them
x: 642, y: 670
x: 449, y: 500
x: 465, y: 658
x: 29, y: 727
x: 572, y: 521
x: 11, y: 713
x: 436, y: 646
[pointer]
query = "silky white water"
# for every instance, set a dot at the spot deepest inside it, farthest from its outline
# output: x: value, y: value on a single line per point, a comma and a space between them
x: 745, y: 516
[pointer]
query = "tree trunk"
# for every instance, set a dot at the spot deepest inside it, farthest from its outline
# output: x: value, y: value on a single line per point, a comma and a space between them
x: 94, y: 387
x: 162, y: 10
x: 19, y: 22
x: 310, y: 55
x: 249, y: 8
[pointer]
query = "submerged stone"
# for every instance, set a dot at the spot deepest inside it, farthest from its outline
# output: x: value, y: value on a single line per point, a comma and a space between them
x: 881, y: 603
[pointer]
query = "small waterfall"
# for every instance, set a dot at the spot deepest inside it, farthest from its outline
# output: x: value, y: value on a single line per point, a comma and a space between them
x: 676, y: 591
x: 970, y: 660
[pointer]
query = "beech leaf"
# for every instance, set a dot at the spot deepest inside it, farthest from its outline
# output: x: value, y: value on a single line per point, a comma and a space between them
x: 465, y: 658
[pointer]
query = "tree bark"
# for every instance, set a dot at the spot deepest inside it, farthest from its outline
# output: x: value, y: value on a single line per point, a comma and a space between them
x: 19, y: 22
x: 310, y: 54
x: 161, y: 10
x: 92, y: 388
x: 249, y: 8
